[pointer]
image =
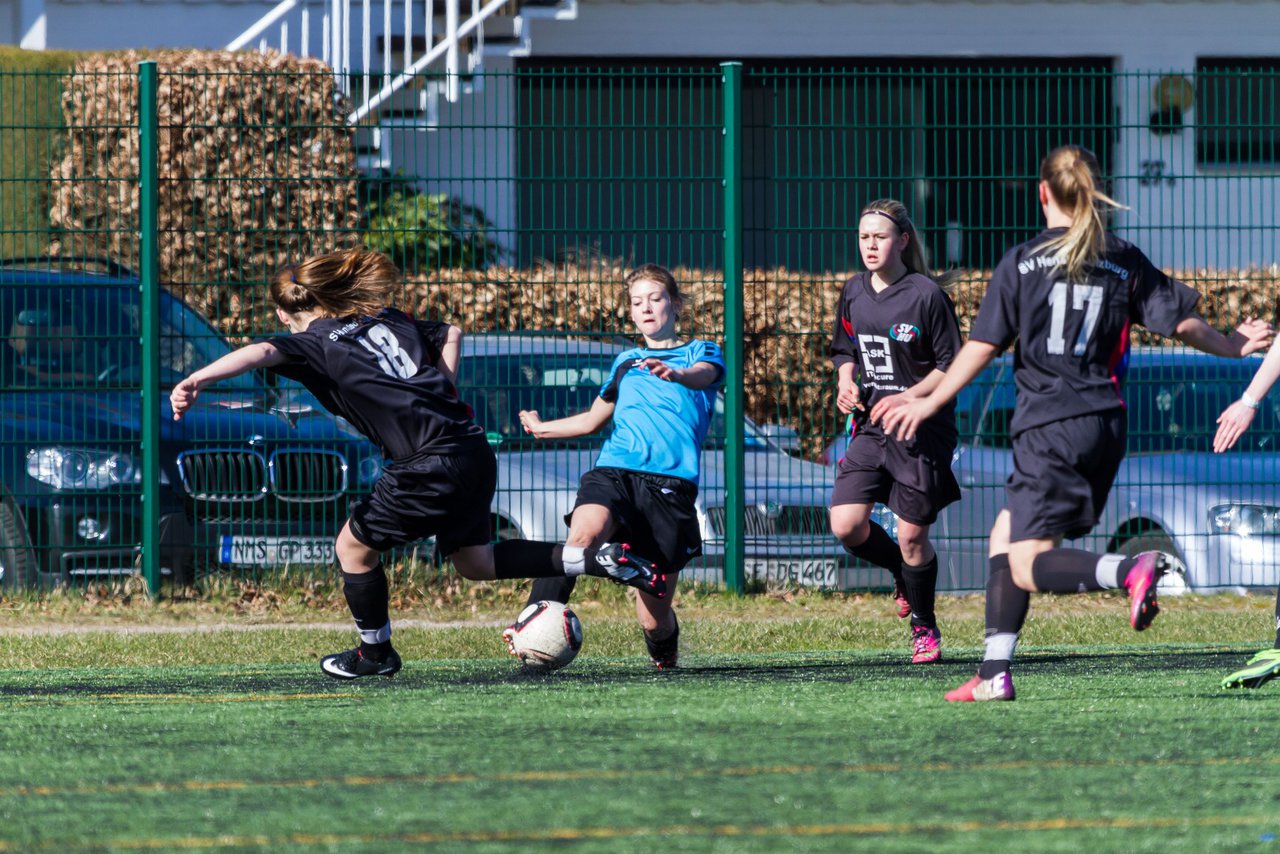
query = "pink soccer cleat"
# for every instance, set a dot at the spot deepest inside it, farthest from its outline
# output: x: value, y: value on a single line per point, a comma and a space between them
x: 1141, y: 584
x: 979, y: 690
x: 926, y: 644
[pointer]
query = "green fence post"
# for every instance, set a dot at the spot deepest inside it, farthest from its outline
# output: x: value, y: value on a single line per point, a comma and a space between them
x: 734, y: 465
x: 149, y: 302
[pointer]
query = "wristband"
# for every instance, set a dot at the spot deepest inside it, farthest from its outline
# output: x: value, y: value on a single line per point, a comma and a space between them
x: 1249, y: 401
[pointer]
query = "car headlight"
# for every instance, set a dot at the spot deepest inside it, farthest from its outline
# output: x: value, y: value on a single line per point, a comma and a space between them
x: 1245, y: 520
x: 370, y: 470
x: 82, y: 468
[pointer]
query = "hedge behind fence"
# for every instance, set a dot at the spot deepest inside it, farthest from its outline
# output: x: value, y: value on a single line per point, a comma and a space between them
x: 255, y: 163
x: 788, y: 317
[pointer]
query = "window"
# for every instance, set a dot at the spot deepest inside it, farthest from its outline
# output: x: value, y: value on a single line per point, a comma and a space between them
x: 1237, y: 111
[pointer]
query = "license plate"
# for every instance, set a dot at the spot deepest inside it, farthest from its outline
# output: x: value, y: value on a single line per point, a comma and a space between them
x: 806, y: 572
x: 276, y: 551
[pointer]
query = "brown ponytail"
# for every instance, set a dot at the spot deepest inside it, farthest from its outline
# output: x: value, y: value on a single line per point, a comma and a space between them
x: 915, y: 256
x: 347, y: 283
x: 1071, y: 173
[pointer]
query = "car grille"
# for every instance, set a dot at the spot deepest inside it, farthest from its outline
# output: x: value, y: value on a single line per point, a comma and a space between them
x: 224, y: 475
x: 237, y: 475
x: 308, y: 475
x: 769, y: 520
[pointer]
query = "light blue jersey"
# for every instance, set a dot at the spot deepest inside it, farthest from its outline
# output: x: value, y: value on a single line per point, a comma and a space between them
x: 658, y: 425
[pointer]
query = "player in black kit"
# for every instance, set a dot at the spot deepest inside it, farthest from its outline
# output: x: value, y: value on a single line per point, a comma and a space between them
x: 895, y: 333
x: 1067, y: 297
x: 393, y: 378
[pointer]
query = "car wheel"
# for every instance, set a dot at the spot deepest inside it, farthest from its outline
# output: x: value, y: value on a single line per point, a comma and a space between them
x: 18, y: 567
x: 1175, y: 581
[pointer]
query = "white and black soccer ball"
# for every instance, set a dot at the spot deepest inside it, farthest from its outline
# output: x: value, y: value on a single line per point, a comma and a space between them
x: 546, y: 636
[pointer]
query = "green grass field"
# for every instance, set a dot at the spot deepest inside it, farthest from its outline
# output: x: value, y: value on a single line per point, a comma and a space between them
x: 795, y: 725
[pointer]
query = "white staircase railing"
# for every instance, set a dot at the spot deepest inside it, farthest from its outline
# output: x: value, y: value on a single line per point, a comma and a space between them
x: 414, y: 24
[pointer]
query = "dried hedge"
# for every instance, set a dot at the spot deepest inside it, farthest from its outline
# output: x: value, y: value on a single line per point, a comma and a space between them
x: 255, y: 164
x: 788, y: 319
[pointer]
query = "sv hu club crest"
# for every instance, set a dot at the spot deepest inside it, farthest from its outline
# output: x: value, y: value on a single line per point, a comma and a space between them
x: 904, y: 332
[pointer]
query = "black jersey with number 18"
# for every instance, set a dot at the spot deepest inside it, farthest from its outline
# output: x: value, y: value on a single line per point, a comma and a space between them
x: 1073, y: 337
x: 380, y: 373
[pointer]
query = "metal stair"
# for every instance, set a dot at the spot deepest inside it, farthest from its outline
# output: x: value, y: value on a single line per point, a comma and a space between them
x: 395, y: 60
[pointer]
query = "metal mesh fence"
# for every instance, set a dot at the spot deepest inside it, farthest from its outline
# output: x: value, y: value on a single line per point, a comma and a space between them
x: 516, y: 212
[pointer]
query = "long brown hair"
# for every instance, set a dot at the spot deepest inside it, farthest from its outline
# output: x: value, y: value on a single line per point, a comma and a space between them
x: 914, y: 256
x: 1071, y: 172
x: 346, y: 283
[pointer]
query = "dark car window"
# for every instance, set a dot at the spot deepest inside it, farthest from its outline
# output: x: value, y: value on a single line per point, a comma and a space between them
x: 85, y: 335
x: 1175, y: 407
x: 556, y: 385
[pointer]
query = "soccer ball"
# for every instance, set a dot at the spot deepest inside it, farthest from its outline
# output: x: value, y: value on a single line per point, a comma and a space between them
x: 546, y: 636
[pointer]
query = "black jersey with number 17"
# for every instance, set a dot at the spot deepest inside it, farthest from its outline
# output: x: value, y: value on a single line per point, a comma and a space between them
x: 380, y: 373
x: 1073, y: 337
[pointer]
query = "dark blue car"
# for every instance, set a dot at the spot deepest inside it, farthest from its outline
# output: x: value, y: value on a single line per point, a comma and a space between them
x: 254, y: 477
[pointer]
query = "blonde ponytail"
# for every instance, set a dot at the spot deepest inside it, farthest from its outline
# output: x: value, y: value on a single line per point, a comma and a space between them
x: 1071, y: 173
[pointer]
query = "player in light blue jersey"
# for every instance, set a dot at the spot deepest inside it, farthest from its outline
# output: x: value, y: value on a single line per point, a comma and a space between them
x: 643, y: 488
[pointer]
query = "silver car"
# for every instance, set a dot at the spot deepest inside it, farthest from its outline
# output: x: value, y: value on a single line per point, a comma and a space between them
x: 787, y: 533
x: 1217, y: 514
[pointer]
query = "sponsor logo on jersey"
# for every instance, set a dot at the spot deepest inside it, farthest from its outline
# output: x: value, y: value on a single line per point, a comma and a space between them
x: 904, y: 332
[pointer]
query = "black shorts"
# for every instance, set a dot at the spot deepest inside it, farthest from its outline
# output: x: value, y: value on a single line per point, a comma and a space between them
x: 446, y: 496
x: 913, y: 479
x: 1062, y: 473
x: 656, y: 515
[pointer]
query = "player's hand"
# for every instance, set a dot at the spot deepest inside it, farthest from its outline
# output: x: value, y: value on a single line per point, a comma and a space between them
x: 886, y: 404
x: 903, y: 421
x: 530, y: 421
x: 848, y: 398
x: 660, y: 369
x: 1232, y: 423
x: 1252, y: 336
x: 183, y: 397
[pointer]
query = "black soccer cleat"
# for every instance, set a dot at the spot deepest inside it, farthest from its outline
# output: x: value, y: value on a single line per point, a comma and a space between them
x: 617, y: 562
x: 352, y: 664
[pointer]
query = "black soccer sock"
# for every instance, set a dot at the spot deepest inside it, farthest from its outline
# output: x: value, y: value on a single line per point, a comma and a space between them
x: 1007, y: 605
x: 920, y: 584
x: 1066, y: 571
x: 553, y: 589
x: 667, y: 647
x: 880, y: 550
x: 367, y: 597
x: 527, y: 559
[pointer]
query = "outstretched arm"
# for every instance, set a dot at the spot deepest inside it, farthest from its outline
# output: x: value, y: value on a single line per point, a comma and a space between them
x: 1249, y: 337
x: 697, y: 376
x: 904, y: 420
x: 582, y: 424
x: 235, y: 363
x: 451, y: 354
x: 1237, y: 417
